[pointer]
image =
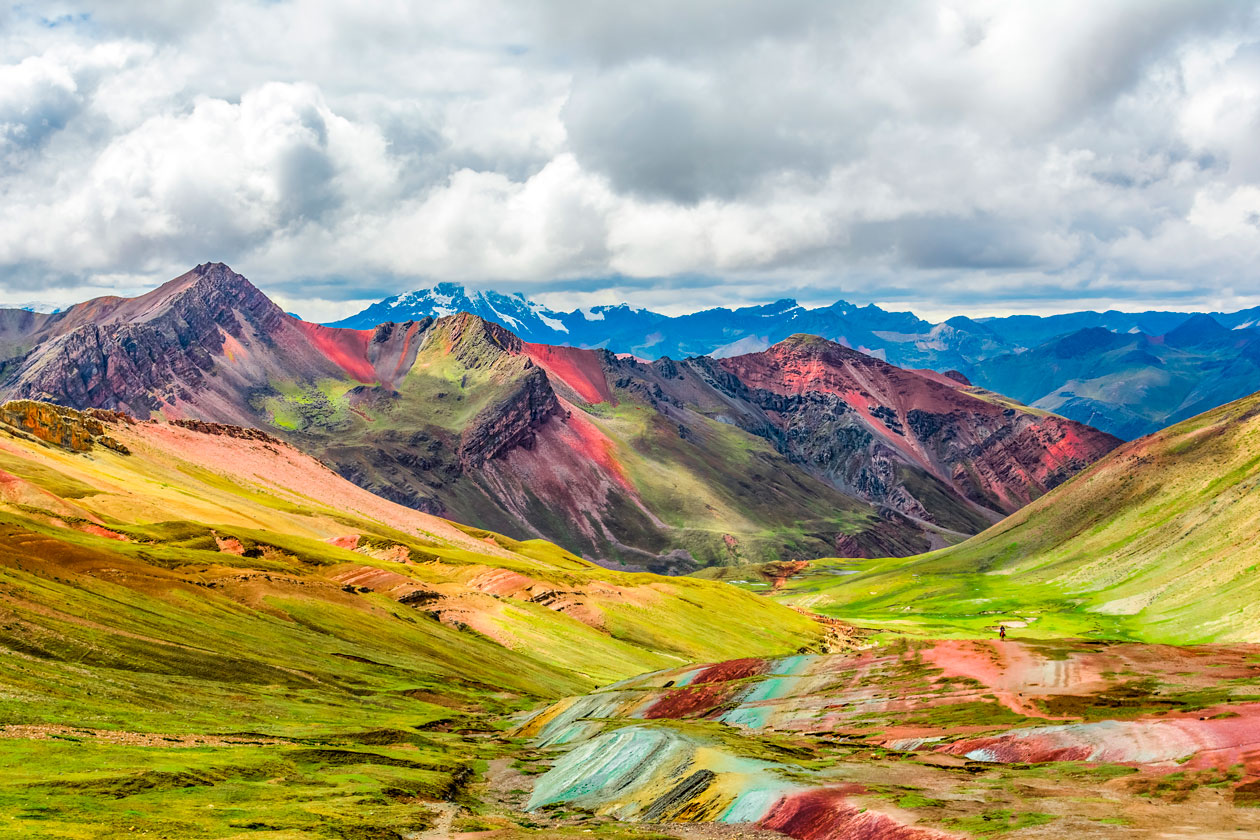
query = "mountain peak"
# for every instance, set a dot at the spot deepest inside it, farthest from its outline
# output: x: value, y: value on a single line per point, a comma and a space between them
x: 211, y: 275
x: 1087, y: 340
x: 514, y: 312
x: 469, y: 333
x: 1197, y: 329
x: 779, y: 307
x: 214, y: 268
x: 971, y: 325
x: 814, y: 347
x: 806, y: 342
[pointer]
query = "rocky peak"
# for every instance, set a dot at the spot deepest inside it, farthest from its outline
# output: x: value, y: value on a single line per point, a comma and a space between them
x: 809, y: 362
x: 134, y: 354
x: 804, y: 345
x: 220, y: 291
x: 472, y: 339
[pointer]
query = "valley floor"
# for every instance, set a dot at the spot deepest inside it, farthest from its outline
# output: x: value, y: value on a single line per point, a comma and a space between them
x: 907, y: 739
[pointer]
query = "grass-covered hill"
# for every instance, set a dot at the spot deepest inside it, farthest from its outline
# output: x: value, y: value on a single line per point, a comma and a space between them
x: 1157, y: 542
x: 206, y: 633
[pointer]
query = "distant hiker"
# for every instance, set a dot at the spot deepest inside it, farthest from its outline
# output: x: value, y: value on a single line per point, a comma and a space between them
x: 1002, y: 632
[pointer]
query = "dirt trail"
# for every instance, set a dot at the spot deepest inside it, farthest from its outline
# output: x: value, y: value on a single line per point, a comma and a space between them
x: 47, y: 731
x: 442, y: 824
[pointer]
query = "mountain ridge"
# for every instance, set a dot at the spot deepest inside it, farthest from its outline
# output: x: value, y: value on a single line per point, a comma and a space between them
x: 989, y: 351
x: 668, y: 465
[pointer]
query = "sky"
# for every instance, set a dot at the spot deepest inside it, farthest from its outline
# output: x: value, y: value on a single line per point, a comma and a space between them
x: 949, y: 158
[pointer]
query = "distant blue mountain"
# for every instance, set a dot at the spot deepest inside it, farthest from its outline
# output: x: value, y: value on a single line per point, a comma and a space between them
x: 715, y: 332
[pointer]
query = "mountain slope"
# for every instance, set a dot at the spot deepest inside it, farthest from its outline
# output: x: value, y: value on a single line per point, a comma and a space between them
x: 995, y: 454
x: 1156, y: 542
x: 188, y: 496
x: 204, y: 629
x: 165, y: 351
x: 667, y: 466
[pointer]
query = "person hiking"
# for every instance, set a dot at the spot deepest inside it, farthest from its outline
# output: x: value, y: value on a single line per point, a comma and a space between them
x: 1002, y: 632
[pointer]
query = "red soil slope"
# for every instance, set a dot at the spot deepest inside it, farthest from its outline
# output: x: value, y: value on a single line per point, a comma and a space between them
x: 580, y: 369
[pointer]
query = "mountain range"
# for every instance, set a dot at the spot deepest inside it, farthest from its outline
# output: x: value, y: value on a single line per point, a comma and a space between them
x: 211, y: 625
x: 1156, y: 368
x: 807, y: 448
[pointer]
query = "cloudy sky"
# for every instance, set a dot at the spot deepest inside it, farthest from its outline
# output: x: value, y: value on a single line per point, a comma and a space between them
x: 951, y: 157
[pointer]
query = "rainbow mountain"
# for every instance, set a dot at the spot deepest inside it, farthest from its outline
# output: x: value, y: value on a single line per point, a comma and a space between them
x: 805, y: 449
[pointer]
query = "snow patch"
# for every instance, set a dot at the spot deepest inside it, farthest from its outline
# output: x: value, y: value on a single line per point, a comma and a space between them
x: 552, y: 322
x: 512, y: 322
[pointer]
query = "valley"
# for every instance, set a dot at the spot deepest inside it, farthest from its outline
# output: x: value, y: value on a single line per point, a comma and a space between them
x: 232, y: 603
x: 1154, y: 542
x: 563, y: 420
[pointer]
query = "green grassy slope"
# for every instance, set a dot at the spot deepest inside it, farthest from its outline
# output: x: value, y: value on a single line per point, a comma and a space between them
x: 215, y: 636
x: 725, y: 495
x: 1155, y: 542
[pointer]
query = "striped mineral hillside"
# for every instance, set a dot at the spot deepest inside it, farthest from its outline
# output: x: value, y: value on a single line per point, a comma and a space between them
x: 915, y: 739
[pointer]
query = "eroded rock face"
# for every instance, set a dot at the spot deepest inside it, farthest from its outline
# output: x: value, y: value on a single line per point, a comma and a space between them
x: 74, y: 430
x: 512, y: 423
x: 901, y: 438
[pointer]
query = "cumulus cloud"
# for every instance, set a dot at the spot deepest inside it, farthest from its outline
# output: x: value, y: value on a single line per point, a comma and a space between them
x: 948, y: 156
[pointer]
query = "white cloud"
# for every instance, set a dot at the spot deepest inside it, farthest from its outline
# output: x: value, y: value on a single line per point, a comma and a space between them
x: 947, y: 154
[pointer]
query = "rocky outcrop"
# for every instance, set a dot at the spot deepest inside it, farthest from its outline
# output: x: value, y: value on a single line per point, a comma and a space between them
x: 227, y: 430
x: 511, y: 423
x: 74, y: 430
